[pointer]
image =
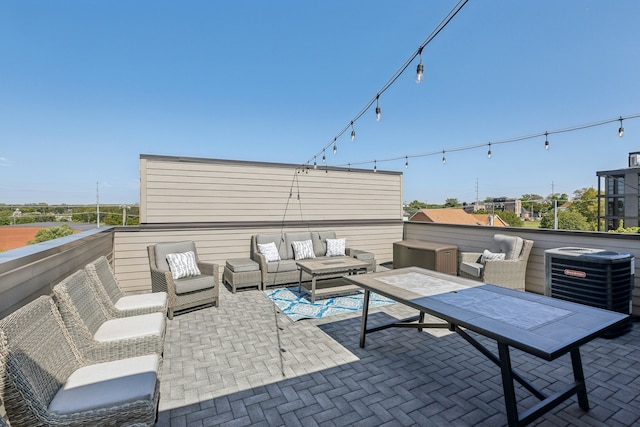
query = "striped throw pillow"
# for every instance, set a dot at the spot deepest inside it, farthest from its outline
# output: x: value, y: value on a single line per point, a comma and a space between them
x: 303, y: 249
x: 183, y: 265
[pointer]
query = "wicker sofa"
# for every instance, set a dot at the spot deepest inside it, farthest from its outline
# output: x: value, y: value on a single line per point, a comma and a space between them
x: 285, y: 271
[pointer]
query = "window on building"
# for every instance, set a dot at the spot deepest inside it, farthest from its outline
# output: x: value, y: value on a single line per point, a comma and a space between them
x: 615, y: 185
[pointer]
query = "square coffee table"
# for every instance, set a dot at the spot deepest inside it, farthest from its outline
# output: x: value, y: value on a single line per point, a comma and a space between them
x: 330, y: 266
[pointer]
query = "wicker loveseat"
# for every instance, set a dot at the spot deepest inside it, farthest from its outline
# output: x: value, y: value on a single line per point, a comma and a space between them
x: 285, y: 271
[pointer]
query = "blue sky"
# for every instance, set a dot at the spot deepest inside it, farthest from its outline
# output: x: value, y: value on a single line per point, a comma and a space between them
x: 86, y: 87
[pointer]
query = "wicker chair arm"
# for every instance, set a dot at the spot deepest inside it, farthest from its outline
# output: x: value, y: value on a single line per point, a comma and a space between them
x: 122, y: 349
x: 262, y: 262
x: 470, y: 256
x: 506, y: 273
x: 206, y: 268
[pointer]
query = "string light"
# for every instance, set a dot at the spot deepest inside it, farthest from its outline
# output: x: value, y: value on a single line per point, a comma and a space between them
x: 335, y: 148
x: 406, y: 163
x: 375, y: 166
x: 621, y: 130
x: 315, y: 165
x: 504, y: 141
x: 353, y: 132
x: 420, y: 69
x: 546, y: 140
x: 441, y: 25
x: 489, y: 152
x: 324, y: 158
x: 444, y: 159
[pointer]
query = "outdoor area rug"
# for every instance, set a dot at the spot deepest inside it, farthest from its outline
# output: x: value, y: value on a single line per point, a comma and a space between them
x: 296, y: 305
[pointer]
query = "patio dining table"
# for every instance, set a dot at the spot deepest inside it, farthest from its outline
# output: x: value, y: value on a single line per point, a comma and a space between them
x: 541, y: 326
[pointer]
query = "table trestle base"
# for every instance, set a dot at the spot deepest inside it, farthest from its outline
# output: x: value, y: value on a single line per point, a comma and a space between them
x: 503, y: 361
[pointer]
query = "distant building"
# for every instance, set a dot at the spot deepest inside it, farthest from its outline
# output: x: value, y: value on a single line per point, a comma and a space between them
x: 621, y: 195
x: 498, y: 204
x: 456, y: 216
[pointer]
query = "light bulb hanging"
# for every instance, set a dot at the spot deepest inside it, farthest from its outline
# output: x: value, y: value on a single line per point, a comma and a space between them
x: 406, y: 162
x: 375, y: 166
x: 489, y: 152
x: 324, y: 158
x: 378, y: 110
x: 546, y: 140
x: 353, y: 132
x: 420, y: 69
x: 444, y: 159
x: 621, y: 130
x: 335, y: 148
x: 315, y: 165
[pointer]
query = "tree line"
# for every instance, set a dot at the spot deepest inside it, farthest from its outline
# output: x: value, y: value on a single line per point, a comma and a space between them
x: 577, y: 213
x: 87, y: 214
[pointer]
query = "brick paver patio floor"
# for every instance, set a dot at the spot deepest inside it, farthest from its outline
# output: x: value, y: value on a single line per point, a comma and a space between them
x: 243, y: 363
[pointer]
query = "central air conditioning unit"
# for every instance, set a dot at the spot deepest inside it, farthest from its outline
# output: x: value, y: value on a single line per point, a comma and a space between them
x: 595, y: 277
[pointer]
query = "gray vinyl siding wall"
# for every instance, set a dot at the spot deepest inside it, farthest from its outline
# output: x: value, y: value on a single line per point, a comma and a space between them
x: 220, y: 204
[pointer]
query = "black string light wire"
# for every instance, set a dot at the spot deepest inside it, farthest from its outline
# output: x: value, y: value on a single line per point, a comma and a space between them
x: 544, y: 134
x: 375, y: 100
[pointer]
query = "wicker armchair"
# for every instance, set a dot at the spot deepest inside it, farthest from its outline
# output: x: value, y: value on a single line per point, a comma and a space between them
x: 187, y: 292
x: 509, y: 272
x: 99, y: 336
x: 114, y: 301
x: 48, y: 382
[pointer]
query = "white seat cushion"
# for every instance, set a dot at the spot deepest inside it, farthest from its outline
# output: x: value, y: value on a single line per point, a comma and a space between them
x: 131, y: 327
x: 154, y: 299
x: 108, y: 384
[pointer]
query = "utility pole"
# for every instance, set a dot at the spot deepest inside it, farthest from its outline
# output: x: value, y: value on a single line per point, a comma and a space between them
x: 98, y: 204
x: 124, y: 208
